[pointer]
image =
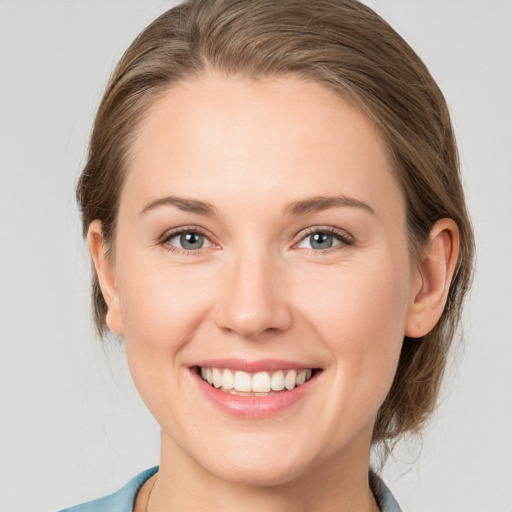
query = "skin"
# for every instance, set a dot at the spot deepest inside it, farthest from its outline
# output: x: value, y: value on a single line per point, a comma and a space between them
x: 259, y: 289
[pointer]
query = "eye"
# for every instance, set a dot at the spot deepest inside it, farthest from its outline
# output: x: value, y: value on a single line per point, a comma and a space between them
x: 186, y: 240
x: 324, y: 239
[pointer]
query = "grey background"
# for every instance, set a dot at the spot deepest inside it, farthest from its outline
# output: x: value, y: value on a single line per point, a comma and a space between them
x: 72, y: 427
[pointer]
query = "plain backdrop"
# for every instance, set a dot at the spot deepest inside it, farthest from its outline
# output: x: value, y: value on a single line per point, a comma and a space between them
x: 72, y: 427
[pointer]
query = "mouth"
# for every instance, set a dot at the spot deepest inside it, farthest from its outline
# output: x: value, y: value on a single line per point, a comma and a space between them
x: 260, y: 383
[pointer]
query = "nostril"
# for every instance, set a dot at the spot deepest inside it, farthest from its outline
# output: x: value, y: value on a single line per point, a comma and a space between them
x: 254, y: 302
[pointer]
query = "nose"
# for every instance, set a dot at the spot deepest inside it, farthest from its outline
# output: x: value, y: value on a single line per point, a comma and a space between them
x: 253, y: 301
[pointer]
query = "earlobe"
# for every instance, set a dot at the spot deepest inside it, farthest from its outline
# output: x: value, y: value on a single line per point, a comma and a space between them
x: 105, y: 272
x: 433, y: 278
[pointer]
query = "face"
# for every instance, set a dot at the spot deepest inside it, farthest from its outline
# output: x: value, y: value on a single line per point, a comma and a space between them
x: 261, y: 277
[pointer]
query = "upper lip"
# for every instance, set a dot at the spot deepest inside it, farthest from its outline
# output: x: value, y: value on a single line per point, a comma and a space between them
x: 245, y: 365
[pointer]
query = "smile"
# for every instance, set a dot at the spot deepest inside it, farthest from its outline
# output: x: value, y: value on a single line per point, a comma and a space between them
x: 254, y: 390
x: 252, y: 384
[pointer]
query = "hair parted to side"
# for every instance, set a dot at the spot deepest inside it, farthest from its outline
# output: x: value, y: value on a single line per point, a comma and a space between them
x: 348, y: 48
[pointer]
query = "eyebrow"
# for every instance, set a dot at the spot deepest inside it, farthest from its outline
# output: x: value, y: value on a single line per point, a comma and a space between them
x: 182, y: 203
x: 319, y: 203
x: 300, y: 207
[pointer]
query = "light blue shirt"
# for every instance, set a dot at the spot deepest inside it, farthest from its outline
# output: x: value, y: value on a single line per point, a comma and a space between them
x: 122, y: 500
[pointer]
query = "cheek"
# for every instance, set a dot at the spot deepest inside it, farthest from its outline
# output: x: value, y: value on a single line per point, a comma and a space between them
x: 359, y: 312
x: 352, y: 301
x: 162, y: 306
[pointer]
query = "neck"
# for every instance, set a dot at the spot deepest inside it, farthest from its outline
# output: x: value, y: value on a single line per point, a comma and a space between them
x: 339, y: 483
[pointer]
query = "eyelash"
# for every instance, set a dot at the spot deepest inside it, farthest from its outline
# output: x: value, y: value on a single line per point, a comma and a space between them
x: 343, y: 237
x: 178, y: 231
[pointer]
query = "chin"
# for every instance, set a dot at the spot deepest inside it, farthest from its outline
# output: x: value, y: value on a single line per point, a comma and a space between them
x: 266, y: 464
x: 257, y: 474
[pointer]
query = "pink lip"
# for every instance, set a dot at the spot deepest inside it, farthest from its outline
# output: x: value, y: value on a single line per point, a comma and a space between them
x: 261, y: 365
x: 253, y: 407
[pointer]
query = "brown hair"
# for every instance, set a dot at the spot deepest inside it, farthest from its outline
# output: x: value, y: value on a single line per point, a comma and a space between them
x: 345, y: 46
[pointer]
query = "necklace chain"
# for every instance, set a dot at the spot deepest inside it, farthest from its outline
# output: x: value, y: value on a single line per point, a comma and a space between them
x: 146, y: 509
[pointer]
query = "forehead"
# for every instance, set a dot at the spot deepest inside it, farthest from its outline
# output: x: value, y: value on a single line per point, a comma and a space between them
x: 261, y: 139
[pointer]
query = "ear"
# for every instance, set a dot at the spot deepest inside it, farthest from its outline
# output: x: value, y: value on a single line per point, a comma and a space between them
x: 105, y: 271
x: 432, y: 280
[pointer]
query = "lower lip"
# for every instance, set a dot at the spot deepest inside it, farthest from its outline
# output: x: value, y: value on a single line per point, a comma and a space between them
x: 254, y: 407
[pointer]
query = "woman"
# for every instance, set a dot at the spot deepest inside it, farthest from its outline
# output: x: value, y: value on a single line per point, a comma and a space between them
x: 274, y: 211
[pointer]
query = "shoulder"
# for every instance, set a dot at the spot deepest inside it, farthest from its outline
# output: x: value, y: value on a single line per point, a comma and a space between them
x: 383, y: 496
x: 120, y: 501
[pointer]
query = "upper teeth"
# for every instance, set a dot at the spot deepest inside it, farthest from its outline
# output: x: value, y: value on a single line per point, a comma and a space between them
x: 260, y: 382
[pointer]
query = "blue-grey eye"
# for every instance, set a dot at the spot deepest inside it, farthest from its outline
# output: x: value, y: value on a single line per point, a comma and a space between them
x: 321, y: 240
x: 187, y: 240
x: 191, y: 241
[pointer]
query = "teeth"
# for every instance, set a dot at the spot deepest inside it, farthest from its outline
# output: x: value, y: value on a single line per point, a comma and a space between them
x: 260, y: 382
x: 217, y: 378
x: 290, y: 380
x: 243, y: 381
x: 228, y: 380
x: 277, y: 381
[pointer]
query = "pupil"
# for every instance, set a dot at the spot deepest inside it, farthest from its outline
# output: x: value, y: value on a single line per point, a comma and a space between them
x: 321, y: 241
x: 191, y: 241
